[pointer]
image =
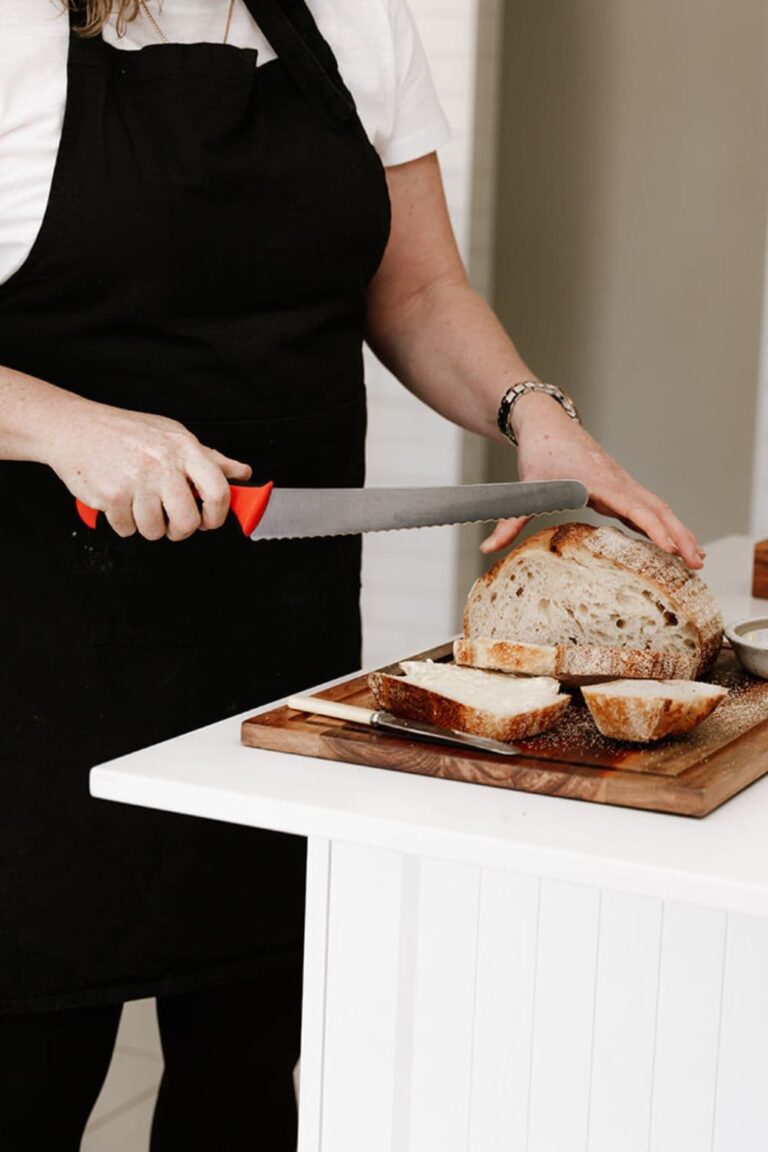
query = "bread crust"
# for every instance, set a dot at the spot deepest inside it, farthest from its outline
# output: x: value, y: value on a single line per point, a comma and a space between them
x: 668, y: 575
x: 573, y: 663
x: 642, y: 720
x: 394, y: 694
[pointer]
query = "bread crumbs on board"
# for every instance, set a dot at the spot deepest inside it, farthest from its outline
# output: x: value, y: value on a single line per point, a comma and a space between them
x: 577, y: 738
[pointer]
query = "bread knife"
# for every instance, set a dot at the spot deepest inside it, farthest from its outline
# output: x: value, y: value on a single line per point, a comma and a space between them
x: 269, y: 513
x: 386, y: 722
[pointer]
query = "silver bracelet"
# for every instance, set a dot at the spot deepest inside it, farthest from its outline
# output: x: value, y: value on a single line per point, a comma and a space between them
x: 513, y: 394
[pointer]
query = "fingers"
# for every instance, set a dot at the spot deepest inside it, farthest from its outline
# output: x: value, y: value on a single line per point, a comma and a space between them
x: 119, y: 514
x: 147, y: 473
x: 503, y: 534
x: 232, y: 469
x: 184, y: 516
x: 643, y: 511
x: 191, y: 498
x: 684, y: 540
x: 209, y: 472
x: 210, y: 484
x: 149, y: 516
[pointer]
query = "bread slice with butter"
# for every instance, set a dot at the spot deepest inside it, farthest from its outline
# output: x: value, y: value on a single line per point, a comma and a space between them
x: 491, y: 704
x: 579, y: 602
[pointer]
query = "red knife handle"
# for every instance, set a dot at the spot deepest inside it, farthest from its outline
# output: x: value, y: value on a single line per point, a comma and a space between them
x: 247, y: 503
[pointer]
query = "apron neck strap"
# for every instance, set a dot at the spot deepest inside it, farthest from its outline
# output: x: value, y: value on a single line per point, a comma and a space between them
x: 291, y: 30
x: 77, y: 13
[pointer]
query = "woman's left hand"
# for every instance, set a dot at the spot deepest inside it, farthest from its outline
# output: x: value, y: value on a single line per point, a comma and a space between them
x: 553, y: 446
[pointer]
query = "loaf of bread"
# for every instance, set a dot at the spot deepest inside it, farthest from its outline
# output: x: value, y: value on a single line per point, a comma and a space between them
x: 578, y: 602
x: 644, y: 710
x: 490, y: 704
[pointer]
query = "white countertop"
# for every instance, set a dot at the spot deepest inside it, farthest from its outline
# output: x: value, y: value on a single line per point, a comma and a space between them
x: 719, y: 861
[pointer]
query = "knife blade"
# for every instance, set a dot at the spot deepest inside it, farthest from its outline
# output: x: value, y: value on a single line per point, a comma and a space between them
x: 269, y: 513
x: 386, y: 722
x: 295, y: 512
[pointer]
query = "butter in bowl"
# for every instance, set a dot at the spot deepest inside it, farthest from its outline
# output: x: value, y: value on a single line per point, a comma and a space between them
x: 749, y: 641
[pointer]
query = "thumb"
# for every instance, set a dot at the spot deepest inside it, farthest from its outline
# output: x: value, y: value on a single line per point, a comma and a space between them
x: 503, y: 534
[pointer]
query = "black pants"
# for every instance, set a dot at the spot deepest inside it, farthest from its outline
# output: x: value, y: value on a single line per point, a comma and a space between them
x: 227, y: 1084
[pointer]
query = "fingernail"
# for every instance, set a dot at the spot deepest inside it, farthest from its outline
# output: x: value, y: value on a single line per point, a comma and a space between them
x: 487, y: 544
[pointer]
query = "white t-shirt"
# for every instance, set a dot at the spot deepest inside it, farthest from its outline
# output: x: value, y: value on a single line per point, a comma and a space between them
x: 376, y: 44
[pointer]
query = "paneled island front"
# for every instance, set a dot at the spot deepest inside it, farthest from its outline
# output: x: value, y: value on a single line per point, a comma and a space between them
x: 491, y: 970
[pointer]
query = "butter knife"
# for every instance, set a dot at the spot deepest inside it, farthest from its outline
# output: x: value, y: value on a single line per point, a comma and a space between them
x: 386, y: 722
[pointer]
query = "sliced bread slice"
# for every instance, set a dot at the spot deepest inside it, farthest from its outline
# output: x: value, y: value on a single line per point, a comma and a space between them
x: 571, y: 663
x: 470, y: 700
x: 596, y: 588
x: 644, y: 710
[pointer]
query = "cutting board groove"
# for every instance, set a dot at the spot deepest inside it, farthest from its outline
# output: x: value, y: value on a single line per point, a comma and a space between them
x: 689, y: 776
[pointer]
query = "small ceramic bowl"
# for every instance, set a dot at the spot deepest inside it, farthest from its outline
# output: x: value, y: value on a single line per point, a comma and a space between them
x: 752, y: 655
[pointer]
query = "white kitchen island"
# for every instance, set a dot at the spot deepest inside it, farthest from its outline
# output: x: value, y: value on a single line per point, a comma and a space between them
x: 494, y: 971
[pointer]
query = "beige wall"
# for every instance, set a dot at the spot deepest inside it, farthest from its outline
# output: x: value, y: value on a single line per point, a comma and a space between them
x: 631, y: 212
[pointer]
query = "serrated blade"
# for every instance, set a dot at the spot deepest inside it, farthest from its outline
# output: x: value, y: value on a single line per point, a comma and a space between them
x: 303, y: 512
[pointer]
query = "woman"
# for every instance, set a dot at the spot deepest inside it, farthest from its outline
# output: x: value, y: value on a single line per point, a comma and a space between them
x: 183, y: 303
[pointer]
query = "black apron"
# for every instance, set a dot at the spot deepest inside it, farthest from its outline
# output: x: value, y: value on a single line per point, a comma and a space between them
x: 205, y: 252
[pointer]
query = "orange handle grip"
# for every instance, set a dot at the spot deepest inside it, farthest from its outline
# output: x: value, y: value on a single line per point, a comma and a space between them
x: 89, y: 516
x: 247, y: 503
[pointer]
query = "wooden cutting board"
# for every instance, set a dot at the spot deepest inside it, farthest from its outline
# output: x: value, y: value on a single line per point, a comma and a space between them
x: 689, y: 775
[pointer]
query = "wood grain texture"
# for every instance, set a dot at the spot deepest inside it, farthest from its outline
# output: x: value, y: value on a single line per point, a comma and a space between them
x: 760, y: 571
x: 689, y: 776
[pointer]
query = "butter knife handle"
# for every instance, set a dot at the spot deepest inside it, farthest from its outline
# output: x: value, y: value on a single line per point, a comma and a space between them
x: 332, y: 708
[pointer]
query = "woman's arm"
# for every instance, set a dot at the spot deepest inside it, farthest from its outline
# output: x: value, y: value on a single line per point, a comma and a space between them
x: 139, y: 469
x: 446, y: 345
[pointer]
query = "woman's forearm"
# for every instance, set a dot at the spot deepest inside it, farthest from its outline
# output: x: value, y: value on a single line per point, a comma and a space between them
x: 31, y: 411
x: 448, y: 348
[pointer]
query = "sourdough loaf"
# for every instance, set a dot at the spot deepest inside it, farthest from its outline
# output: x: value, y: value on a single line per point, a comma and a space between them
x: 579, y: 602
x: 490, y: 704
x: 644, y: 710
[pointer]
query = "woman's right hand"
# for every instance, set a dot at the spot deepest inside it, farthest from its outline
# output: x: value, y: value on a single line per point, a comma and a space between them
x: 146, y: 473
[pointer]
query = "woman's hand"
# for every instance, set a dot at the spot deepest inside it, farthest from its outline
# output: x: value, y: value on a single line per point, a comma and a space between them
x: 147, y: 474
x: 552, y: 446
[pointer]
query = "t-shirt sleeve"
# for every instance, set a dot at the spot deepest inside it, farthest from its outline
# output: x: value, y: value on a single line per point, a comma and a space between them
x: 418, y: 125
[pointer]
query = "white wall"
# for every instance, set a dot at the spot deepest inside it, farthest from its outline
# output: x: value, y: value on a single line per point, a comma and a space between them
x: 410, y: 582
x: 631, y: 230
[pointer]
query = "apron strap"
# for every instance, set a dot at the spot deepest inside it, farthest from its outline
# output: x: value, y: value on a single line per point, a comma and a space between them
x: 291, y: 30
x: 77, y: 11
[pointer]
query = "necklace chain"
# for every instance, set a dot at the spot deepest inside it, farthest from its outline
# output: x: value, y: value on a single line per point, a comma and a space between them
x: 161, y: 34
